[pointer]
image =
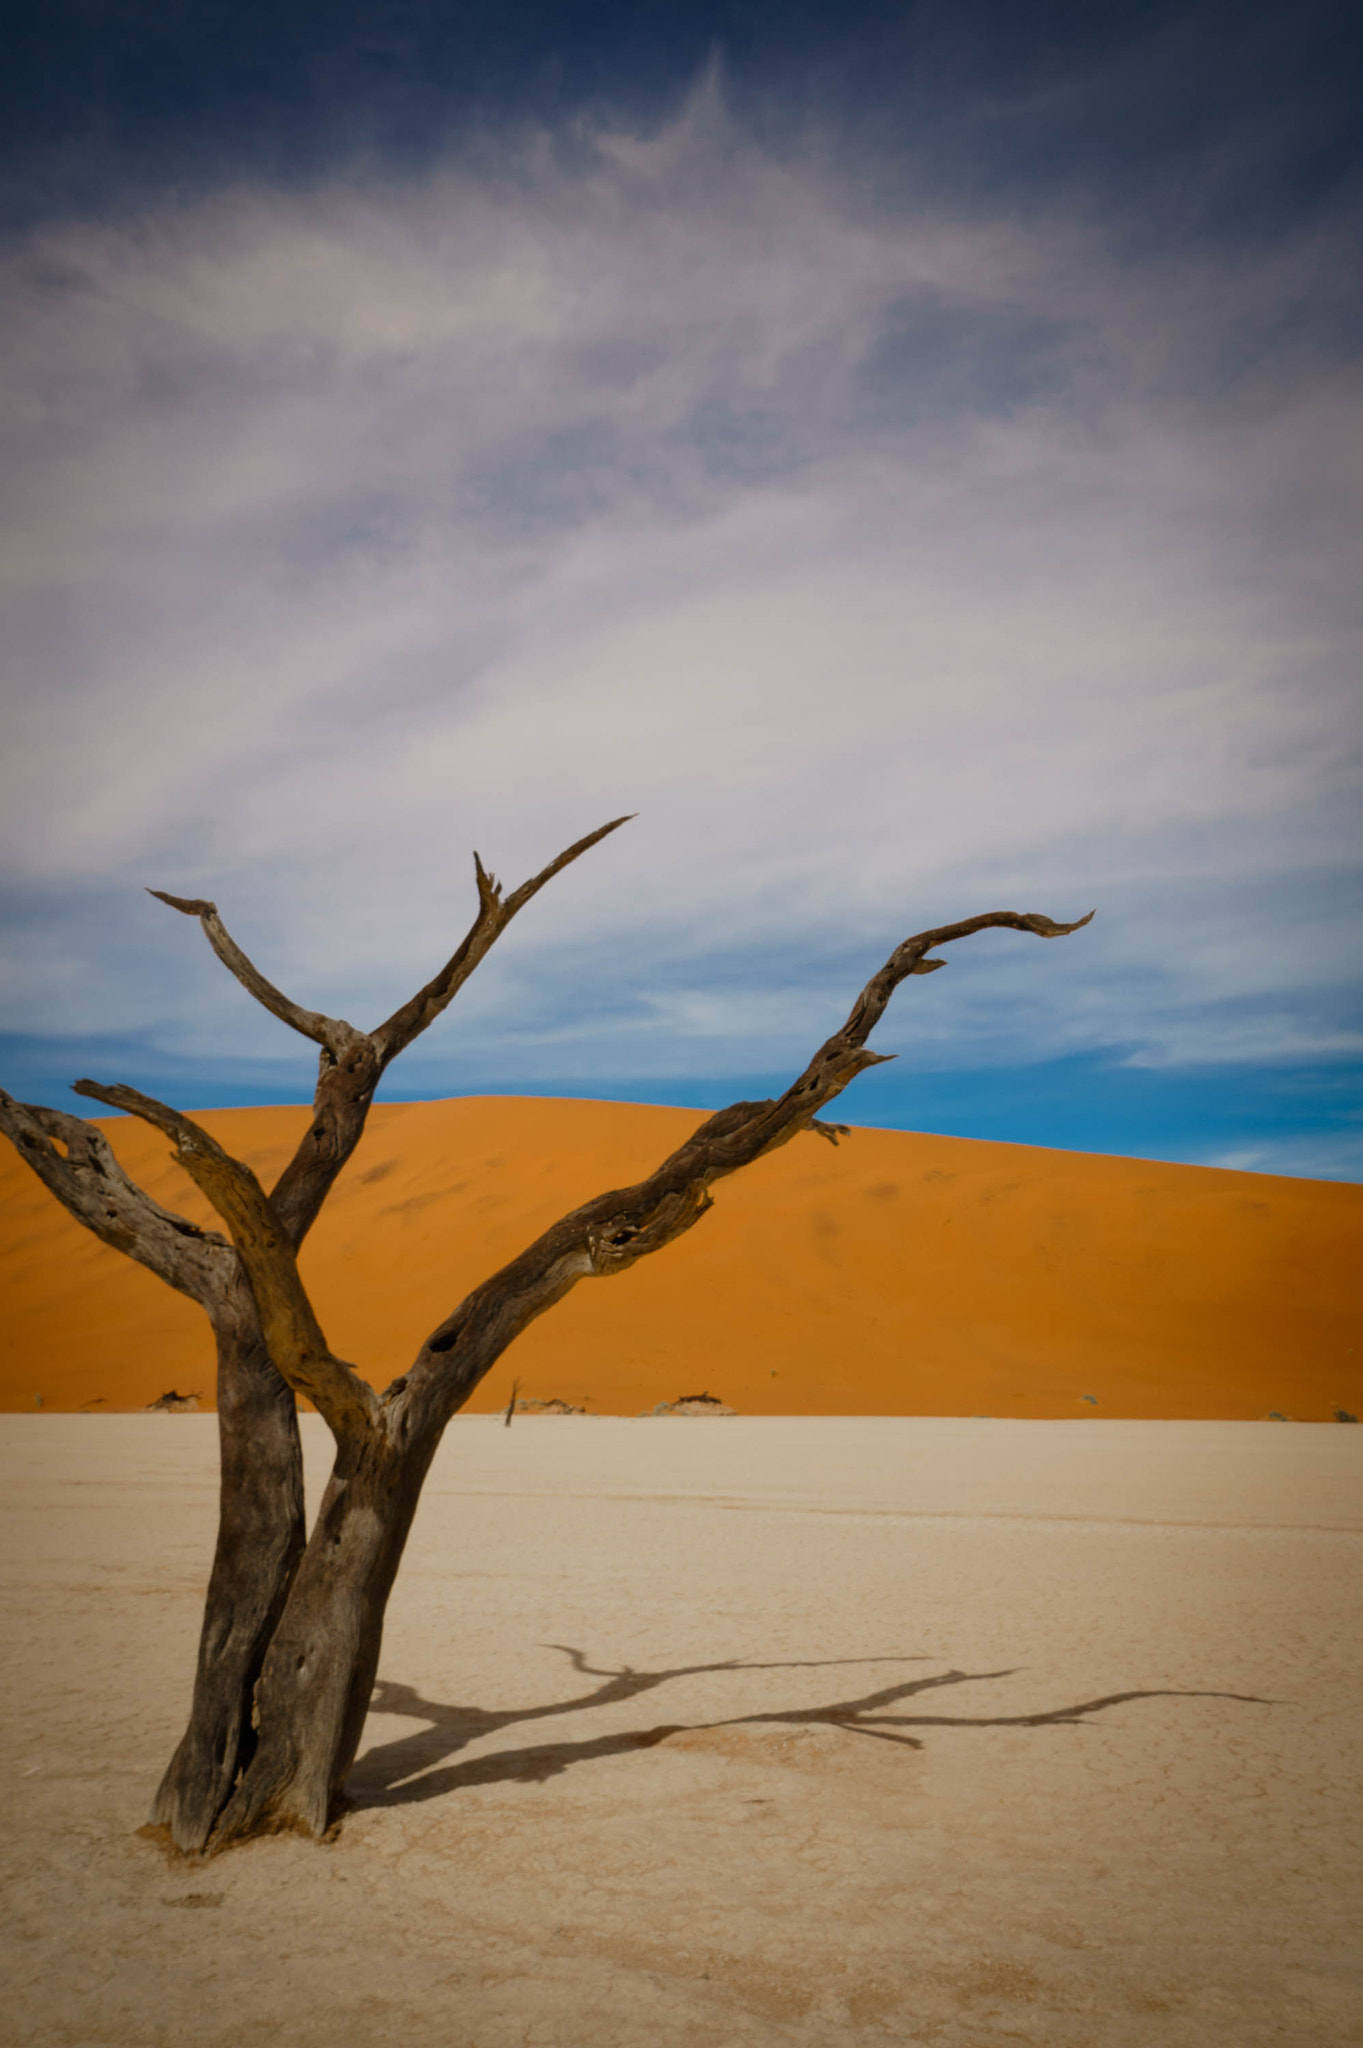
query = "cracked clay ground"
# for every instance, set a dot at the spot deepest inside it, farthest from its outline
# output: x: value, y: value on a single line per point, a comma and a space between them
x: 724, y: 1734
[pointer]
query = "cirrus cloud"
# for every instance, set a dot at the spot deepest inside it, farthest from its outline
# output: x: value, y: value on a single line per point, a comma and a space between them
x: 892, y: 561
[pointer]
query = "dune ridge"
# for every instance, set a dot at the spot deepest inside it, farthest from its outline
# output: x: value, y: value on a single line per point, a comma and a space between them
x: 899, y: 1274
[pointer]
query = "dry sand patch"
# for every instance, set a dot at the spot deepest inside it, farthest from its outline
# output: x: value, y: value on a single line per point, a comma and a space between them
x: 781, y: 1732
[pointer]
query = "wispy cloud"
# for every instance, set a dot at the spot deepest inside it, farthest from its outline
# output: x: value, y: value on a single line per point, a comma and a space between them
x: 892, y: 561
x: 1330, y: 1155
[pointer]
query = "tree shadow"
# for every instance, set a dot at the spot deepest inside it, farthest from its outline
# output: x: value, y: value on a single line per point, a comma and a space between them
x: 401, y: 1773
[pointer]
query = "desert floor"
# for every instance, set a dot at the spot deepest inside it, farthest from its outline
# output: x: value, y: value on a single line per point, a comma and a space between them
x: 725, y: 1732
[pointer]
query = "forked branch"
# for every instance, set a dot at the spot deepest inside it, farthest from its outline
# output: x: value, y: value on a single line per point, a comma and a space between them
x: 287, y: 1319
x: 495, y: 913
x: 332, y: 1032
x: 76, y: 1163
x: 352, y: 1061
x: 610, y: 1233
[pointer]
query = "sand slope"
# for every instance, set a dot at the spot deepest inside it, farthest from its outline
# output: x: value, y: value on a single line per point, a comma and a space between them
x: 897, y: 1274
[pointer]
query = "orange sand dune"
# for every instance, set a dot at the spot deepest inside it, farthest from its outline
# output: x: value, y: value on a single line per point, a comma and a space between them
x: 897, y: 1274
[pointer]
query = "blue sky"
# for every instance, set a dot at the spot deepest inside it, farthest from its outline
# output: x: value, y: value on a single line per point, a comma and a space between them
x: 908, y: 455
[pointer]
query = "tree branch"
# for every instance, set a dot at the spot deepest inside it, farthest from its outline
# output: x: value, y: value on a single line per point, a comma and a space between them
x: 332, y: 1032
x: 610, y: 1233
x: 352, y: 1061
x: 909, y: 958
x: 74, y: 1161
x: 494, y: 915
x: 287, y: 1319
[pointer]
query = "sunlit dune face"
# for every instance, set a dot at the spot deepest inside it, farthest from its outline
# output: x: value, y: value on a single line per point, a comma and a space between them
x: 897, y: 1274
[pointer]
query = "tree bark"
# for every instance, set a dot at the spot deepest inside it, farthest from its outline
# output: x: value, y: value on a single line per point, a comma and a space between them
x: 290, y: 1644
x: 261, y: 1537
x: 261, y: 1531
x: 261, y: 1528
x: 315, y: 1683
x: 314, y: 1689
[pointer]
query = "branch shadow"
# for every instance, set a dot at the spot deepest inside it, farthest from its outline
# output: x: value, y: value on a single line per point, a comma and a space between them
x: 403, y: 1773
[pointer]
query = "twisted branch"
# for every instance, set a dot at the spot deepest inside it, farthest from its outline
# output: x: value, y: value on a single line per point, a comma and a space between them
x: 75, y: 1162
x: 910, y: 958
x: 352, y: 1062
x: 287, y: 1319
x: 332, y: 1032
x: 608, y: 1234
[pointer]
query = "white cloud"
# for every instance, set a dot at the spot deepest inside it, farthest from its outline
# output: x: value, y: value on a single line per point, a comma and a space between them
x: 1245, y: 1041
x: 891, y: 564
x: 1313, y: 1155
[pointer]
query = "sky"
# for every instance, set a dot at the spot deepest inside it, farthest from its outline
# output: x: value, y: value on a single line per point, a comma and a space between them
x: 910, y: 456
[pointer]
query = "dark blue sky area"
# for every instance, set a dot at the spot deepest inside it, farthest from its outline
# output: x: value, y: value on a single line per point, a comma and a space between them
x: 1302, y: 1118
x: 1186, y: 120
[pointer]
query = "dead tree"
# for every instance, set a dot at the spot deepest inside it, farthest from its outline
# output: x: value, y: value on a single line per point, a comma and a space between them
x: 292, y: 1623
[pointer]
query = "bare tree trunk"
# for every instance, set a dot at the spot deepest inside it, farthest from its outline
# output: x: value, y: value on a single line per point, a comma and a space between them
x: 261, y: 1531
x: 314, y: 1689
x: 316, y: 1680
x: 261, y: 1536
x: 291, y: 1637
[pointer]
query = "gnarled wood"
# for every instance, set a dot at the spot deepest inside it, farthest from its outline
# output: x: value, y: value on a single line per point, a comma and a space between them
x: 288, y: 1321
x: 261, y: 1537
x: 261, y: 1530
x: 613, y: 1231
x: 352, y: 1062
x: 319, y: 1672
x: 292, y: 1631
x: 494, y: 915
x: 325, y: 1653
x: 332, y: 1032
x: 76, y: 1163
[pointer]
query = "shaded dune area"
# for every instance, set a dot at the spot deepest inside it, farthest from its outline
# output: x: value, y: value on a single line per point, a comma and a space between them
x: 897, y: 1274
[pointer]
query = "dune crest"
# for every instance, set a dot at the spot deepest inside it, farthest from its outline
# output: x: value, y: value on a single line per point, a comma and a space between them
x: 899, y: 1274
